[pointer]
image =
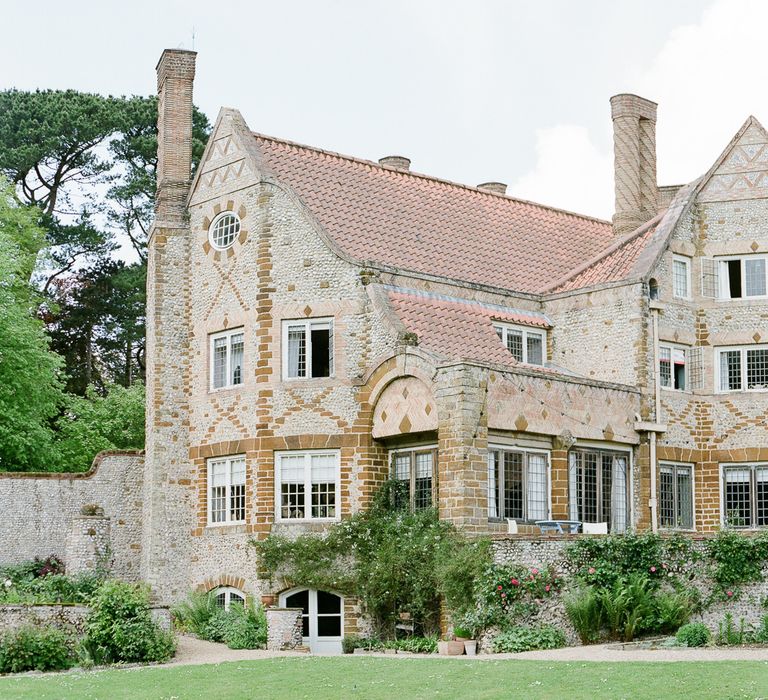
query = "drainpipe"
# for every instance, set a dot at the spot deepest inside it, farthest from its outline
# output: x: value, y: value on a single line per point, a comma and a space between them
x: 656, y: 415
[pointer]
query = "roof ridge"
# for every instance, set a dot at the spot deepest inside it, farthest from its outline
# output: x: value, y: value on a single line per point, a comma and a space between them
x: 431, y: 178
x: 610, y: 250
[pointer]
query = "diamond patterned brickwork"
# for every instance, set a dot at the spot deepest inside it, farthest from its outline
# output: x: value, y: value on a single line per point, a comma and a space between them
x: 405, y: 406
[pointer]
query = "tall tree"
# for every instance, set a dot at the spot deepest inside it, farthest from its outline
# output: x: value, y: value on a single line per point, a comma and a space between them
x: 30, y: 384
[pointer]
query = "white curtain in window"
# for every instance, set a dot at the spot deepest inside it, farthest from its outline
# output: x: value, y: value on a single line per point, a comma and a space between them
x: 296, y: 363
x: 323, y: 469
x: 493, y: 511
x: 537, y: 487
x: 573, y: 506
x: 219, y: 362
x: 292, y: 469
x: 619, y: 495
x: 238, y: 471
x: 236, y: 360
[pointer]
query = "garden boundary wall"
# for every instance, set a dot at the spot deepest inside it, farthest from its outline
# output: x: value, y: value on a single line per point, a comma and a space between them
x: 42, y: 515
x: 68, y: 618
x: 549, y: 552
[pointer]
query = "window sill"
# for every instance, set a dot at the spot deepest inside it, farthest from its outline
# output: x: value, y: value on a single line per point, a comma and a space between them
x: 224, y: 389
x: 226, y: 528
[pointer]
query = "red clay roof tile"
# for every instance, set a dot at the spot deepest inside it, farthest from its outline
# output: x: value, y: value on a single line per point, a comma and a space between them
x: 420, y: 224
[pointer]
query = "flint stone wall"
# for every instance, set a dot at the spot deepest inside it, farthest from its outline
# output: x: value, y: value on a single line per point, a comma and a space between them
x: 550, y: 553
x: 42, y: 515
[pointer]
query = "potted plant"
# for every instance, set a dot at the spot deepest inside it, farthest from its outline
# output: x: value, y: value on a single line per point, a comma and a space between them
x: 448, y: 646
x: 465, y: 635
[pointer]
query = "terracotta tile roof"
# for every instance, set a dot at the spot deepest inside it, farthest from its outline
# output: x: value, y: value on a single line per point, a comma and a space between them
x: 617, y: 263
x: 420, y: 224
x: 456, y: 328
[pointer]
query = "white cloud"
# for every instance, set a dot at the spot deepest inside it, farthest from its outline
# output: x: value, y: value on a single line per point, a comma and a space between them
x: 707, y: 78
x: 570, y: 172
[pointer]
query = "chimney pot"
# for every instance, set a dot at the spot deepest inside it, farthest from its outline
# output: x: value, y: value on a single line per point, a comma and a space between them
x: 396, y: 162
x: 496, y: 187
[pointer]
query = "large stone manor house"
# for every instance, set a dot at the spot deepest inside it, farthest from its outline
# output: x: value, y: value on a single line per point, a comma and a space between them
x: 318, y: 323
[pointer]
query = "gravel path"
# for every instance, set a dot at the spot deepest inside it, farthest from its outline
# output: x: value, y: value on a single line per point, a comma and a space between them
x: 196, y: 651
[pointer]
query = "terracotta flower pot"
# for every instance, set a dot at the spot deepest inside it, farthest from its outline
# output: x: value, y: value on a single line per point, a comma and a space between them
x: 269, y: 601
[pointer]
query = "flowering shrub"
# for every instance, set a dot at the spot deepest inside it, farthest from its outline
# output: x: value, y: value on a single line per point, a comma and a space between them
x: 514, y: 584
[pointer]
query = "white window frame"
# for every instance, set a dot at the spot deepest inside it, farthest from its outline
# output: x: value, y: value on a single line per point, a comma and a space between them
x: 672, y: 347
x: 751, y: 466
x: 212, y: 228
x: 505, y: 329
x: 212, y: 338
x: 687, y: 262
x: 724, y: 291
x: 228, y: 460
x: 307, y: 325
x: 525, y: 450
x: 743, y: 349
x: 667, y: 464
x: 412, y: 452
x: 307, y: 454
x: 229, y: 592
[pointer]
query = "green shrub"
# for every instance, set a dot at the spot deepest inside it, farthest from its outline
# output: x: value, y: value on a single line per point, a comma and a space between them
x: 239, y: 627
x: 761, y: 633
x: 414, y: 645
x: 673, y: 609
x: 246, y: 627
x: 583, y: 608
x: 694, y: 634
x: 728, y: 634
x: 628, y: 607
x: 523, y: 638
x: 737, y: 559
x: 36, y: 649
x: 120, y: 627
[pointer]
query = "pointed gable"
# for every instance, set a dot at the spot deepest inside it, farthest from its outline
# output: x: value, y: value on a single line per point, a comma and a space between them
x: 741, y: 172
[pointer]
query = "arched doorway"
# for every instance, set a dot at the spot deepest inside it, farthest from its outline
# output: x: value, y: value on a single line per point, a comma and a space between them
x: 322, y: 620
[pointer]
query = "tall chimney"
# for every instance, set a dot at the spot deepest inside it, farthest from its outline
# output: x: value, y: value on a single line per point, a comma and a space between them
x: 175, y: 76
x: 634, y: 148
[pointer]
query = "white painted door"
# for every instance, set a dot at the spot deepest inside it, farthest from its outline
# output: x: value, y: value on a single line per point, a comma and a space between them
x: 322, y: 620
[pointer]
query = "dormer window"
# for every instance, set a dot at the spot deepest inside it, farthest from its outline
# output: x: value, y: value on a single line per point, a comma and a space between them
x: 525, y: 344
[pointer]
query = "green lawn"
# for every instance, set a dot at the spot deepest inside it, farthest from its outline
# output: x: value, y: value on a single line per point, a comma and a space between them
x: 403, y: 679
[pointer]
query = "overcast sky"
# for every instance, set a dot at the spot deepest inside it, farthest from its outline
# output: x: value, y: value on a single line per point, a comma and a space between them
x: 470, y: 91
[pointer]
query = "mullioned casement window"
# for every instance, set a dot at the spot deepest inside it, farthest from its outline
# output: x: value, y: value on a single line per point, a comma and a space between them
x: 413, y: 471
x: 308, y: 348
x: 598, y: 482
x: 226, y: 351
x: 672, y: 366
x: 681, y: 277
x: 742, y: 368
x: 676, y: 496
x: 518, y: 484
x: 525, y: 344
x: 226, y: 490
x: 307, y: 485
x: 745, y: 495
x: 735, y: 277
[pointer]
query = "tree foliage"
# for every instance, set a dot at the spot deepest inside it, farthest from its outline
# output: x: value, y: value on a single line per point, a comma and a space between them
x: 90, y: 424
x: 30, y: 384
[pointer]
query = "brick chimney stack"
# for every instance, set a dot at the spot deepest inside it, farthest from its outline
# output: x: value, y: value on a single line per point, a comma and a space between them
x: 175, y: 76
x: 634, y: 147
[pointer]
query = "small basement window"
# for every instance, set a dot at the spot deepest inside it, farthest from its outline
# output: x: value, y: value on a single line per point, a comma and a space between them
x: 525, y: 344
x: 308, y: 348
x: 226, y: 596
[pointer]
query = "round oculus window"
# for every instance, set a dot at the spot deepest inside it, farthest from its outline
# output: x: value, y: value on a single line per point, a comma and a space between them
x: 224, y: 230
